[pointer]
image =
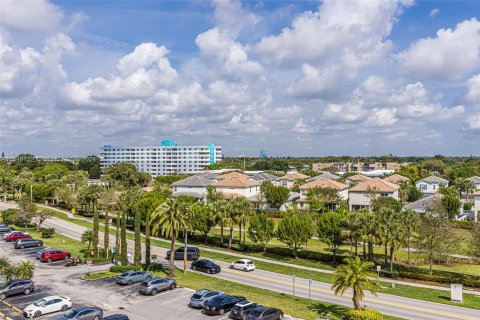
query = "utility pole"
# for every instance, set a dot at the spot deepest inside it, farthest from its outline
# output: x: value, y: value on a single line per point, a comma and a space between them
x: 31, y: 193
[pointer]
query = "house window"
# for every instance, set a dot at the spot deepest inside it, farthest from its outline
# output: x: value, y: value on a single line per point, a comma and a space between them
x: 434, y: 187
x: 423, y: 187
x: 383, y: 194
x: 284, y: 183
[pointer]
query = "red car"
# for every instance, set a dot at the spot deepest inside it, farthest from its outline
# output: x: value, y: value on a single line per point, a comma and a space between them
x: 52, y: 255
x: 14, y: 236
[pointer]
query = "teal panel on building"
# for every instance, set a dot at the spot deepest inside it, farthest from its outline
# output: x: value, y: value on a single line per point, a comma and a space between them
x: 169, y: 143
x: 212, y: 152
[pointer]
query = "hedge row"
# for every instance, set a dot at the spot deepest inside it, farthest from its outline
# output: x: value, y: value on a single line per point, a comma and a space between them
x: 155, y: 267
x: 364, y: 314
x: 436, y: 276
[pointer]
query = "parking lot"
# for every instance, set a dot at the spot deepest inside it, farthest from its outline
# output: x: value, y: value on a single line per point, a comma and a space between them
x: 56, y: 279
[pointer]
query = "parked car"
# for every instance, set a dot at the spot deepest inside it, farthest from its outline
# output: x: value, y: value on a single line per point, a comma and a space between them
x: 199, y: 298
x: 241, y: 309
x: 116, y: 317
x: 221, y: 304
x: 83, y: 313
x: 132, y: 276
x: 72, y: 261
x: 17, y: 286
x: 47, y: 305
x: 264, y: 313
x: 193, y: 253
x: 154, y: 285
x: 243, y: 264
x: 4, y: 229
x: 15, y: 235
x: 27, y: 243
x: 53, y: 255
x: 39, y: 253
x: 205, y: 266
x: 6, y: 234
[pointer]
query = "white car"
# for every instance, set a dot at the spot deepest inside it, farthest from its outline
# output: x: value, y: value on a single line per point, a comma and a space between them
x: 47, y: 305
x: 243, y: 264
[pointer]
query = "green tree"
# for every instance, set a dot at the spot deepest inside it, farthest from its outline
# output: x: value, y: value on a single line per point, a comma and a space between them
x: 432, y: 230
x: 169, y: 218
x: 25, y: 269
x: 201, y: 220
x: 125, y: 174
x: 410, y: 223
x: 275, y: 195
x: 295, y: 230
x: 319, y: 198
x: 108, y: 200
x: 261, y: 230
x: 87, y: 237
x: 128, y: 201
x: 245, y: 209
x: 92, y: 193
x: 330, y: 231
x: 411, y: 171
x: 475, y: 243
x: 356, y: 275
x: 90, y: 164
x: 452, y: 204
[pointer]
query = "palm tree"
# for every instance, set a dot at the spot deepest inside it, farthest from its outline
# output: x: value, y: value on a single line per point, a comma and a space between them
x: 128, y: 201
x: 357, y: 275
x: 6, y: 180
x: 87, y: 237
x: 25, y: 269
x: 405, y: 190
x: 246, y: 209
x: 92, y: 193
x: 169, y: 218
x: 4, y: 262
x: 108, y: 199
x: 9, y: 273
x: 410, y: 221
x: 220, y: 209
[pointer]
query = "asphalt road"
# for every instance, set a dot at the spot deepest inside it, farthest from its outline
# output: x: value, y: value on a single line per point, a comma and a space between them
x: 387, y: 304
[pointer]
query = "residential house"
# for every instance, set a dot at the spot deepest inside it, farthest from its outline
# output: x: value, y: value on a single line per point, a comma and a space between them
x: 264, y: 176
x: 195, y: 186
x: 356, y: 179
x: 396, y: 178
x: 422, y: 205
x: 431, y: 184
x: 262, y: 204
x: 235, y: 185
x: 360, y: 196
x: 476, y: 181
x: 476, y: 206
x: 325, y: 175
x: 342, y: 191
x: 289, y: 179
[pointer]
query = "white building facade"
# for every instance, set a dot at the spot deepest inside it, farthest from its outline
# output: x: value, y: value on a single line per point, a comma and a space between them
x: 168, y: 158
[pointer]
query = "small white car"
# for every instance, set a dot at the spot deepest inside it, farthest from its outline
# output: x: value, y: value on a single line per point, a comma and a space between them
x: 47, y: 305
x: 243, y: 264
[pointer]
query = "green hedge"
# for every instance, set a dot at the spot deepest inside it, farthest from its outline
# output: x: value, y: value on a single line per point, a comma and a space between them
x: 156, y: 267
x: 98, y: 260
x: 364, y: 314
x: 47, y: 232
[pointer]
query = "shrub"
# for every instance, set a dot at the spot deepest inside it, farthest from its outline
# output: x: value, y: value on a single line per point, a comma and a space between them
x: 47, y: 232
x: 121, y: 269
x: 154, y: 267
x: 99, y: 260
x: 9, y: 215
x: 364, y: 314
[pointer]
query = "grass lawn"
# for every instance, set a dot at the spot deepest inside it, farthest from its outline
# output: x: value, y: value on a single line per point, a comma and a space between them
x: 439, y: 296
x: 295, y: 306
x: 100, y: 275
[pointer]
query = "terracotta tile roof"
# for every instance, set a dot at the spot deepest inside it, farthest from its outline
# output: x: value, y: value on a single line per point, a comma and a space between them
x: 375, y: 184
x: 324, y: 183
x: 235, y: 182
x: 396, y: 178
x: 234, y: 174
x: 227, y: 195
x: 294, y: 176
x: 359, y: 178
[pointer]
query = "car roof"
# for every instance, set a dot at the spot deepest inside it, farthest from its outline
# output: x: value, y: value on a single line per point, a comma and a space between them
x: 155, y: 278
x: 52, y: 297
x: 81, y: 308
x: 246, y: 260
x: 263, y: 309
x: 244, y: 303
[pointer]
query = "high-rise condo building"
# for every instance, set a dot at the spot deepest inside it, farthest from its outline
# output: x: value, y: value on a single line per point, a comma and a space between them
x: 168, y: 158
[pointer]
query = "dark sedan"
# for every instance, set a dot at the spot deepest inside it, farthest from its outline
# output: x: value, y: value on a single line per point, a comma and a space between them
x: 221, y: 304
x: 83, y: 313
x: 205, y: 266
x: 264, y: 313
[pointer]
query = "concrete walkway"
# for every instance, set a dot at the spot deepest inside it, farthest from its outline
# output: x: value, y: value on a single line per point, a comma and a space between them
x: 239, y: 254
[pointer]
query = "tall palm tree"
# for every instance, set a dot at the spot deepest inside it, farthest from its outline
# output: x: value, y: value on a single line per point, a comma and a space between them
x: 127, y: 202
x: 405, y: 190
x: 108, y: 200
x: 6, y: 180
x: 357, y: 275
x: 9, y: 273
x: 169, y: 218
x: 410, y: 222
x: 246, y: 209
x: 25, y: 269
x: 220, y: 209
x: 92, y: 193
x: 232, y: 218
x: 4, y: 262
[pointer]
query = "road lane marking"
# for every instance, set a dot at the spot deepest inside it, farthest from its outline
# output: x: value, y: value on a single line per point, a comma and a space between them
x: 289, y: 283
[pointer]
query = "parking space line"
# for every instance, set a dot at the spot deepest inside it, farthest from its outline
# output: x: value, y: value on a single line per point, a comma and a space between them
x: 188, y: 295
x: 26, y: 296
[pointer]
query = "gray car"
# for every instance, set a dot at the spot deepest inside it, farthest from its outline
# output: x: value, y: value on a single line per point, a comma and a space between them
x: 132, y: 276
x: 200, y: 297
x: 154, y: 285
x: 27, y: 243
x: 17, y: 286
x: 83, y: 313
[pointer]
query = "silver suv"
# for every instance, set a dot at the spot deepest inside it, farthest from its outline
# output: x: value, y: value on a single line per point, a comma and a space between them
x: 200, y: 297
x: 155, y: 285
x: 17, y: 286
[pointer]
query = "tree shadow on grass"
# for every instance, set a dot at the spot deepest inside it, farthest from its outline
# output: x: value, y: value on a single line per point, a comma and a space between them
x: 328, y: 310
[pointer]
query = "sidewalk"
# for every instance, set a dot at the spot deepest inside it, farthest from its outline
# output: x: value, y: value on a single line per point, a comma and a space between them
x: 236, y: 255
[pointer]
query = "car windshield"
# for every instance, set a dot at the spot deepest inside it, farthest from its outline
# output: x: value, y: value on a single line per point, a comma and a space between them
x: 125, y: 274
x: 39, y: 303
x: 209, y: 263
x: 217, y: 299
x: 196, y: 296
x: 71, y: 314
x: 249, y: 262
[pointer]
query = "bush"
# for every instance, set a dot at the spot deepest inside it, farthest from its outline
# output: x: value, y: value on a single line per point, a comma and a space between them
x: 121, y: 269
x: 389, y: 274
x: 47, y: 232
x: 9, y: 215
x: 99, y: 260
x: 364, y: 314
x: 154, y: 267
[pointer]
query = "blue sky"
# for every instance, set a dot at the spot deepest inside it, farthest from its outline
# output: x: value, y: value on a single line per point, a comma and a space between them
x: 292, y: 77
